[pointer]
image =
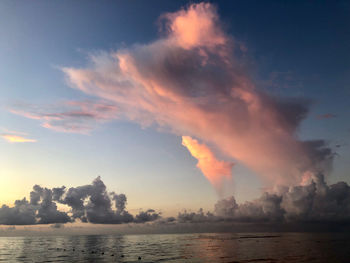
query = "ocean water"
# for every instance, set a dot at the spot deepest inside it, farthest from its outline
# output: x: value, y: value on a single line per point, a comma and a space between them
x: 207, y: 248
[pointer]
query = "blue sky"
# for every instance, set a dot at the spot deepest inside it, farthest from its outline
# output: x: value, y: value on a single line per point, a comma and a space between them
x: 294, y: 48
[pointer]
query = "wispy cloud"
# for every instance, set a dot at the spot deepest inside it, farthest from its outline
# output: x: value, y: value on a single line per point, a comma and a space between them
x: 13, y: 138
x: 326, y: 116
x: 69, y: 116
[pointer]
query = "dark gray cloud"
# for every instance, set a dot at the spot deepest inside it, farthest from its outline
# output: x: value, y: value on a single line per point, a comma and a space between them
x: 40, y: 210
x: 47, y: 212
x: 88, y: 203
x: 57, y: 193
x: 57, y: 226
x: 23, y: 213
x: 147, y: 216
x: 313, y: 202
x: 199, y: 217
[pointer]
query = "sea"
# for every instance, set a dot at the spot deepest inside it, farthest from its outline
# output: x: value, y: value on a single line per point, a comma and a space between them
x: 181, y: 248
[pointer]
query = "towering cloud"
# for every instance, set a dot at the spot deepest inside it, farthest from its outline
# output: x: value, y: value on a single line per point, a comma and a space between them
x: 193, y: 82
x: 99, y: 207
x: 215, y: 170
x: 47, y: 212
x: 40, y: 210
x: 89, y: 203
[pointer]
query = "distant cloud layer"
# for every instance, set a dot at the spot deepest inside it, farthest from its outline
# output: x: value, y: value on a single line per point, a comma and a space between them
x: 313, y: 202
x: 89, y: 203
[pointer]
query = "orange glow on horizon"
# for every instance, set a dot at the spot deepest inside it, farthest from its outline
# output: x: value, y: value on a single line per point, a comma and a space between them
x: 16, y: 138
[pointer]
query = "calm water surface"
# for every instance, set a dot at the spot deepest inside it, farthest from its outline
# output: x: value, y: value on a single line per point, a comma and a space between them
x: 186, y: 248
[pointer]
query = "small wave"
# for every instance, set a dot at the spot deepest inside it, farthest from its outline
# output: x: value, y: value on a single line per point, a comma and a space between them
x: 258, y: 237
x: 271, y: 260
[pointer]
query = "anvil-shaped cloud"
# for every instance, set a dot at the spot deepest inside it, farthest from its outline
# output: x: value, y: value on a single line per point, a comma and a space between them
x: 192, y: 81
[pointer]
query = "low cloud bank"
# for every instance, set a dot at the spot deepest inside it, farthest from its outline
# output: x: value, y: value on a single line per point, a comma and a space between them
x: 312, y: 202
x: 89, y: 203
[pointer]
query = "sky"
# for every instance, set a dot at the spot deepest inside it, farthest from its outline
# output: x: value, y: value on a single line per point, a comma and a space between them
x: 176, y: 104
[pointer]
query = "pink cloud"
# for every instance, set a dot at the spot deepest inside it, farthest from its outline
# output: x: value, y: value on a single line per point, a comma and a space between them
x: 69, y: 116
x: 195, y: 27
x: 326, y: 116
x: 216, y: 171
x: 193, y: 81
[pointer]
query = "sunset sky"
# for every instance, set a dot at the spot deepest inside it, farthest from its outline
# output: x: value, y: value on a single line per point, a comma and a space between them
x: 173, y: 103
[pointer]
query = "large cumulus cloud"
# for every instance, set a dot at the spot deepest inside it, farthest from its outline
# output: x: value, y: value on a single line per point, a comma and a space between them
x: 39, y: 210
x: 192, y: 82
